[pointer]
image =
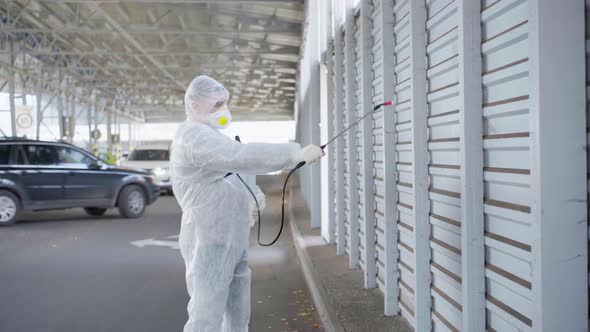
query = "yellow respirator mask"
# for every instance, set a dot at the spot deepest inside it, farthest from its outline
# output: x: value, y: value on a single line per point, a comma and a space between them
x: 220, y: 118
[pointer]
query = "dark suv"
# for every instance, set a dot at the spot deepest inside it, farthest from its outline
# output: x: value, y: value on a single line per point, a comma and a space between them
x: 37, y: 175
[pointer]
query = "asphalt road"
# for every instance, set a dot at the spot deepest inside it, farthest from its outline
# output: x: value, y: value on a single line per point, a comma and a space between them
x: 64, y: 271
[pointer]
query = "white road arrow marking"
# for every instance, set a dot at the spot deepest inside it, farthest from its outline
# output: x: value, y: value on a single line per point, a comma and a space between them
x: 157, y: 243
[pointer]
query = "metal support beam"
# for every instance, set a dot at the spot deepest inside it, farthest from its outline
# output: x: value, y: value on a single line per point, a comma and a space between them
x: 204, y: 65
x: 110, y: 111
x: 366, y: 84
x: 11, y: 86
x: 91, y: 102
x: 151, y: 30
x: 471, y: 161
x: 48, y: 103
x: 558, y: 166
x: 151, y: 54
x: 226, y: 2
x: 115, y: 24
x: 66, y: 107
x: 131, y: 135
x: 39, y: 100
x: 421, y: 204
x: 118, y: 124
x: 73, y: 118
x: 60, y: 108
x: 353, y: 222
x: 97, y: 110
x: 82, y: 110
x: 339, y: 105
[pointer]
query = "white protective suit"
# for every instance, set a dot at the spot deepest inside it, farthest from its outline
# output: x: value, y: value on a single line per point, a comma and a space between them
x: 216, y: 209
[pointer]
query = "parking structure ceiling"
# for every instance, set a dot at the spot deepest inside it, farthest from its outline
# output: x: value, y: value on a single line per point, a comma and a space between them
x: 146, y: 52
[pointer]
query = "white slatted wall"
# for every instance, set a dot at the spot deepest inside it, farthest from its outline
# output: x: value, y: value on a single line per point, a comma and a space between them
x: 403, y: 132
x: 507, y: 163
x: 507, y: 120
x: 378, y: 144
x: 444, y: 159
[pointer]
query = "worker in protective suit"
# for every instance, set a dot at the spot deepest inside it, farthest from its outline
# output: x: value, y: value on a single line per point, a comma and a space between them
x: 216, y: 209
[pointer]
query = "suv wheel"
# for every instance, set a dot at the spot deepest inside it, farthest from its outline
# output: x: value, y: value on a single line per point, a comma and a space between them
x: 94, y: 211
x: 132, y: 202
x: 9, y: 208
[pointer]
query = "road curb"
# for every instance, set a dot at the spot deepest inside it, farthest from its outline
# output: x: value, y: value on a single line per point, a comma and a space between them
x: 325, y: 310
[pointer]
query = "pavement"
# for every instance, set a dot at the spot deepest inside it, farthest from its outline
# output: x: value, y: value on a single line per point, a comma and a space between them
x: 342, y: 302
x: 65, y: 271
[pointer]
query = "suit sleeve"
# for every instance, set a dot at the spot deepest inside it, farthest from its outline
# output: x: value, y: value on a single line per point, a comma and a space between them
x: 215, y: 151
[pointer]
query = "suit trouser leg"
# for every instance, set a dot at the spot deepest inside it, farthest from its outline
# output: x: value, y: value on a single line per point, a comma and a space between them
x: 237, y: 311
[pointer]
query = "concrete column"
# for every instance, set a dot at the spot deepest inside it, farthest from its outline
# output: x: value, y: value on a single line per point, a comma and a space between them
x: 558, y: 169
x: 367, y: 184
x: 471, y: 147
x: 313, y: 110
x: 339, y: 148
x: 421, y: 204
x: 391, y: 292
x: 353, y: 222
x: 328, y: 173
x: 327, y: 130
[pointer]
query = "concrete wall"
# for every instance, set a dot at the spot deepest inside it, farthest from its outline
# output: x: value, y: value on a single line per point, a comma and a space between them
x: 308, y: 104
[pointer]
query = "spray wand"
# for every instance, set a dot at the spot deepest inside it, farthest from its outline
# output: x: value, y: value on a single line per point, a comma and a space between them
x: 376, y: 108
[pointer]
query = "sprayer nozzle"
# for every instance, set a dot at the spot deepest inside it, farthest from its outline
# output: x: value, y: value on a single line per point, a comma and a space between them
x: 388, y: 103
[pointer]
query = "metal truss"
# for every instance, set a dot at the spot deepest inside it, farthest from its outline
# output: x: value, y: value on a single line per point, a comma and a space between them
x: 134, y: 58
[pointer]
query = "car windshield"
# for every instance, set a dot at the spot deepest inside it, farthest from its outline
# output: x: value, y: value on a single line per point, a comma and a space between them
x: 154, y: 155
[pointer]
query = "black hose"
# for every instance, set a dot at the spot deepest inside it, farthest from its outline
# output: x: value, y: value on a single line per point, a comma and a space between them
x: 282, y: 206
